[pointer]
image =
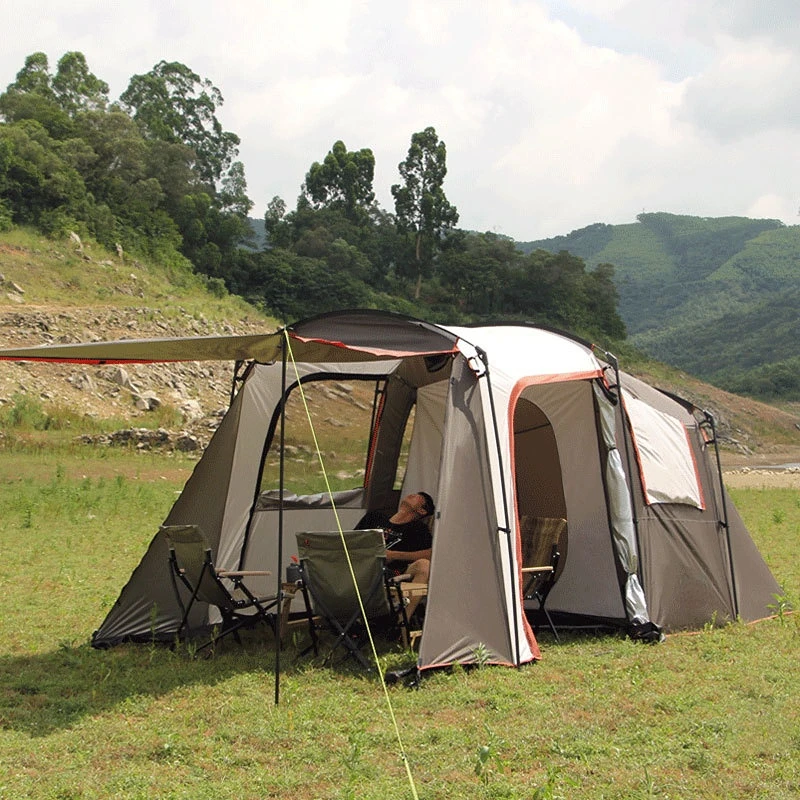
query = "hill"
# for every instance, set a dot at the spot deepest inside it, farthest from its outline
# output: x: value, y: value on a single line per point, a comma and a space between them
x: 692, y: 289
x: 65, y: 291
x: 68, y: 291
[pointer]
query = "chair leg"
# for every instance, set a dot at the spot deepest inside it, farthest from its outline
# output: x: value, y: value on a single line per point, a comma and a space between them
x: 312, y: 628
x: 550, y: 623
x: 547, y: 615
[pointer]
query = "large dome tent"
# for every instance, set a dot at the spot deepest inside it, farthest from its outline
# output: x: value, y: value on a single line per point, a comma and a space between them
x: 509, y: 421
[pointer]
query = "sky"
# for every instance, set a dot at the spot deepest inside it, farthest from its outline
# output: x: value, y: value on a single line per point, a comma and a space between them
x: 556, y: 114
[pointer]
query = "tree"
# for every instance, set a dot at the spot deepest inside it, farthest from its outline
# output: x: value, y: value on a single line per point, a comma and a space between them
x: 476, y: 270
x: 73, y: 88
x: 421, y: 206
x: 343, y: 180
x: 174, y: 104
x: 232, y: 196
x: 603, y: 301
x: 31, y: 96
x: 279, y: 232
x: 76, y: 89
x: 34, y: 77
x: 39, y: 186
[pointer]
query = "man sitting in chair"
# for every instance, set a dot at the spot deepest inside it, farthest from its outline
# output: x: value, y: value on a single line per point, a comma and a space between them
x: 410, y: 553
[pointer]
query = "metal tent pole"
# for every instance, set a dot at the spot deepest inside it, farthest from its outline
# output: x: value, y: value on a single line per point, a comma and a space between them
x: 711, y: 422
x: 281, y: 486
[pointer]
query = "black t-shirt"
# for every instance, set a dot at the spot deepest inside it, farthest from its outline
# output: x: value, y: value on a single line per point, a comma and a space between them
x: 414, y: 535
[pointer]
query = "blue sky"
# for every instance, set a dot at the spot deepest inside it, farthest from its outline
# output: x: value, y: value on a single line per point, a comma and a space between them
x: 556, y: 113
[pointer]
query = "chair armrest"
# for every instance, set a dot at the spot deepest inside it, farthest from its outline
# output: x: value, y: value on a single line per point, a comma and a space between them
x: 400, y: 578
x: 242, y: 573
x: 531, y: 570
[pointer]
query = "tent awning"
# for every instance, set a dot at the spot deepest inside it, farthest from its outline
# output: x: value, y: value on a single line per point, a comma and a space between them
x: 262, y: 347
x: 337, y: 337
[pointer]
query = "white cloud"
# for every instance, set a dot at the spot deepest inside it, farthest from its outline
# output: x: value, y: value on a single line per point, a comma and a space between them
x: 750, y: 87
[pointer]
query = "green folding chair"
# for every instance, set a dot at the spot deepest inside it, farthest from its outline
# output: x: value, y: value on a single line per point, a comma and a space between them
x: 331, y: 596
x: 197, y: 580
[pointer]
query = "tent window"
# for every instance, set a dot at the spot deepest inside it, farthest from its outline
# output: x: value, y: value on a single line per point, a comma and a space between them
x: 661, y: 442
x: 341, y: 414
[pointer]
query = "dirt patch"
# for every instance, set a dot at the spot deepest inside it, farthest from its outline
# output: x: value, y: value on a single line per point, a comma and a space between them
x: 762, y: 479
x: 773, y: 467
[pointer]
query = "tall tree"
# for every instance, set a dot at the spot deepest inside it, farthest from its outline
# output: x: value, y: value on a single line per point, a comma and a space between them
x: 421, y: 205
x: 31, y: 96
x: 174, y: 104
x: 34, y: 77
x: 343, y: 180
x: 232, y: 196
x: 278, y: 230
x: 76, y: 88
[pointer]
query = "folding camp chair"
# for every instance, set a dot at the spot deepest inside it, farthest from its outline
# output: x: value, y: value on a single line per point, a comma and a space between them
x: 192, y: 567
x: 330, y: 592
x: 544, y: 543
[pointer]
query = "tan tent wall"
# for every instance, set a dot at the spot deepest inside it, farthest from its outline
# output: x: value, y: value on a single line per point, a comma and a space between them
x: 467, y: 591
x: 147, y: 607
x: 686, y: 569
x: 219, y: 496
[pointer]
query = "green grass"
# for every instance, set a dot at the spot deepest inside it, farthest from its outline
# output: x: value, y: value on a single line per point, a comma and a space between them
x: 704, y: 715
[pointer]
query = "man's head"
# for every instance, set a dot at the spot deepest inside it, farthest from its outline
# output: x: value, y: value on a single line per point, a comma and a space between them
x: 421, y: 503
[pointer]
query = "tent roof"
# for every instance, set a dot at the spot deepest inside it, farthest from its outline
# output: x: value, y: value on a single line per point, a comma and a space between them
x: 341, y: 337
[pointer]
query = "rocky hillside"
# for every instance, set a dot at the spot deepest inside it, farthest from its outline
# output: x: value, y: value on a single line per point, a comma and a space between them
x: 198, y: 391
x: 63, y: 292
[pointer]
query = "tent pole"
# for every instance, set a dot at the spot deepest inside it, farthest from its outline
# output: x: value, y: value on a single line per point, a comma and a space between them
x: 281, y: 486
x: 236, y: 379
x: 507, y: 527
x: 710, y: 422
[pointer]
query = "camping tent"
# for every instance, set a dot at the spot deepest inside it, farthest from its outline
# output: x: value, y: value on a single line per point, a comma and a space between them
x: 496, y: 422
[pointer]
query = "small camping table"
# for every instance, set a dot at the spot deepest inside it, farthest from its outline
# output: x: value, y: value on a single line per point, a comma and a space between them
x: 289, y: 591
x: 410, y: 590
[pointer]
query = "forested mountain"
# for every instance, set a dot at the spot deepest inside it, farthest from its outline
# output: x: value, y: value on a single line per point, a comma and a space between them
x: 718, y: 297
x: 155, y: 173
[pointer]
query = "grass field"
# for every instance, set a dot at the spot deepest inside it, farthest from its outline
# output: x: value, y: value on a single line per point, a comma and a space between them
x: 704, y: 715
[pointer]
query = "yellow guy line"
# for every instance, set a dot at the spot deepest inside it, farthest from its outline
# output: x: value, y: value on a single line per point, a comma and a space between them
x: 397, y: 733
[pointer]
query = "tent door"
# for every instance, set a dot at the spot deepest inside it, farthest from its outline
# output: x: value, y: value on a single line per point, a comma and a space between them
x: 539, y: 486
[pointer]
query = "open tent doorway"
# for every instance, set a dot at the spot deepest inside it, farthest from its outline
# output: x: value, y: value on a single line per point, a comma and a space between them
x: 558, y: 468
x: 537, y: 467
